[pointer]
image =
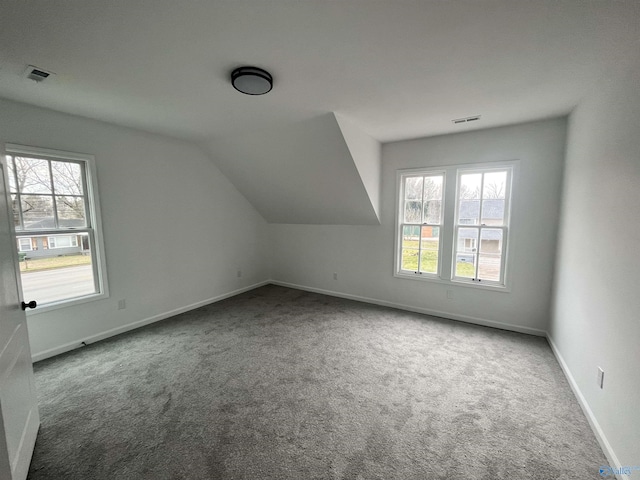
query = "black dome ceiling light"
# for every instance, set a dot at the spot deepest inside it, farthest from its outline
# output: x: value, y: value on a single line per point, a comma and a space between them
x: 251, y: 80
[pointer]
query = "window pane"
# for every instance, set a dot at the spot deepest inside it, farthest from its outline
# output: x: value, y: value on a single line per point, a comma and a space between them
x: 491, y: 240
x: 10, y: 173
x: 429, y: 243
x: 469, y: 212
x: 48, y: 277
x: 67, y: 178
x: 495, y: 185
x: 467, y: 240
x: 16, y: 212
x: 413, y: 188
x: 489, y: 266
x: 433, y: 188
x: 37, y: 211
x: 490, y: 254
x: 410, y: 237
x: 465, y: 265
x: 412, y: 212
x: 432, y: 211
x: 410, y: 248
x: 70, y: 211
x: 466, y: 248
x: 429, y: 261
x: 493, y: 212
x: 33, y: 175
x: 470, y: 186
x: 429, y: 238
x: 410, y: 259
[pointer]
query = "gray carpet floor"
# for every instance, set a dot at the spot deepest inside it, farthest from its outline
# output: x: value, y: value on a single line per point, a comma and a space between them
x: 283, y: 384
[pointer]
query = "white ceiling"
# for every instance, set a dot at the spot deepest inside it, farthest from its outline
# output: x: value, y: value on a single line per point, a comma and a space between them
x: 397, y: 69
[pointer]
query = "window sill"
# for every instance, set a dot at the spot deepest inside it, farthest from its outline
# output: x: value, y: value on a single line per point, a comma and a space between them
x: 66, y: 304
x: 457, y: 283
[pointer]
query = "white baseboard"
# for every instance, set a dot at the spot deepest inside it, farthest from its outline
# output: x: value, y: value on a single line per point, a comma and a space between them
x: 593, y: 422
x: 434, y: 313
x: 140, y: 323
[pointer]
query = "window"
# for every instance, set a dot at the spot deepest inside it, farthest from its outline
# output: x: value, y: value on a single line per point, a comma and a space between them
x: 453, y: 224
x: 482, y: 209
x: 54, y: 198
x: 421, y: 223
x: 24, y: 244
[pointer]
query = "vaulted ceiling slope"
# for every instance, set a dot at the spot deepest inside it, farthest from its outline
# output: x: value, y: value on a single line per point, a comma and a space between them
x: 311, y: 172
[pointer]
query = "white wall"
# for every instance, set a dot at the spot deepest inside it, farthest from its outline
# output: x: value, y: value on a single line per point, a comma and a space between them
x: 596, y: 311
x: 175, y: 228
x: 307, y: 255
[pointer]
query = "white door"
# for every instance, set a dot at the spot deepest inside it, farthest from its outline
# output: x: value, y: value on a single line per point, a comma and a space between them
x: 19, y: 418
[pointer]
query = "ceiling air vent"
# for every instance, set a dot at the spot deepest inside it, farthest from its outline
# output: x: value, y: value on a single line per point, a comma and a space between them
x: 37, y: 74
x: 466, y: 119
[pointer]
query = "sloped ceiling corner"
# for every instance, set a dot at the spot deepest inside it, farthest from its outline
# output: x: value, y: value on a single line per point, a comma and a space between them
x: 366, y: 153
x: 305, y: 173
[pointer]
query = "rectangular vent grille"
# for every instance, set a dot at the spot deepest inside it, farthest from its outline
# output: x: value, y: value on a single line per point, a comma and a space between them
x: 466, y: 119
x: 37, y: 74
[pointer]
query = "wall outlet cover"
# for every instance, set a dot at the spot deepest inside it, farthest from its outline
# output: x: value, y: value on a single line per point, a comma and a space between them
x: 600, y: 377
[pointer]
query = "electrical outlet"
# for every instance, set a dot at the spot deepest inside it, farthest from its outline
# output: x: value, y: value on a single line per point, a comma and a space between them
x: 335, y: 276
x: 122, y: 304
x: 449, y: 294
x: 600, y: 377
x: 239, y: 273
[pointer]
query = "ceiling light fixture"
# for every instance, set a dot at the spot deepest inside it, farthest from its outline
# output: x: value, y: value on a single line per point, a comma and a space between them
x: 251, y: 80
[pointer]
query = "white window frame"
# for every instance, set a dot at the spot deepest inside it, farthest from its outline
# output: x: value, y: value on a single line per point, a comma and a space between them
x: 402, y: 176
x: 93, y: 216
x: 20, y: 249
x: 447, y: 248
x: 505, y: 227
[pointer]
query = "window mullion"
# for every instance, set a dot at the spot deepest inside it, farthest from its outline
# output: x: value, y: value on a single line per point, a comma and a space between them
x: 88, y: 218
x: 503, y: 251
x: 18, y: 193
x: 422, y: 219
x: 448, y: 230
x: 53, y: 196
x: 507, y: 200
x: 61, y: 231
x: 477, y: 265
x: 478, y: 242
x: 97, y: 281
